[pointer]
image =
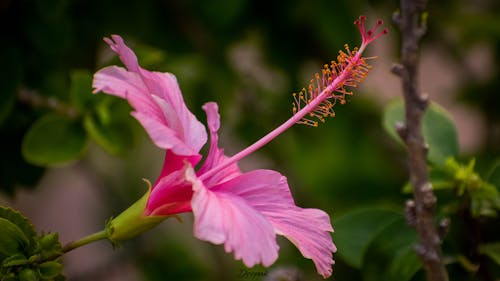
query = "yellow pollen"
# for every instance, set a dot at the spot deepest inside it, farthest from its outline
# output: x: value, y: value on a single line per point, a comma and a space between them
x: 353, y: 70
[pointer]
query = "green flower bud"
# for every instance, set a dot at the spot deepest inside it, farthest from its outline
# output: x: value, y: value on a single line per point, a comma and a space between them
x: 28, y: 274
x: 50, y: 269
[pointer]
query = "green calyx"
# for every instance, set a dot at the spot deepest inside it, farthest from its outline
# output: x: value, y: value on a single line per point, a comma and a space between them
x: 132, y: 221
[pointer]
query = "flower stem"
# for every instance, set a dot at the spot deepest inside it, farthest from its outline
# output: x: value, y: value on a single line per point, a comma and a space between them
x: 75, y: 244
x: 85, y: 240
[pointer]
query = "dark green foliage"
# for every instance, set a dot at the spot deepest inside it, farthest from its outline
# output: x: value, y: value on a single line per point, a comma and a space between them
x: 23, y: 254
x: 178, y: 263
x: 356, y: 230
x: 391, y: 255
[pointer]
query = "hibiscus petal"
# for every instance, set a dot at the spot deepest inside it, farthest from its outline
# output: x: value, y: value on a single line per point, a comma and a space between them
x: 127, y: 56
x: 223, y: 218
x: 216, y: 155
x: 174, y: 162
x: 163, y: 136
x: 119, y: 82
x: 168, y: 95
x: 309, y: 229
x: 171, y: 194
x: 156, y: 99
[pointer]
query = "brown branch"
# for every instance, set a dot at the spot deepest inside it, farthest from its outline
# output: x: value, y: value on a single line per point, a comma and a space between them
x: 35, y: 100
x: 420, y: 212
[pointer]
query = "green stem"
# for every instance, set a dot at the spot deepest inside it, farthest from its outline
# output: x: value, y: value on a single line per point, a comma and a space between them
x: 85, y: 240
x: 75, y: 244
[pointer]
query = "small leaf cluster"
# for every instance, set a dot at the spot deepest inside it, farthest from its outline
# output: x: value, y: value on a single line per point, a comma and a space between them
x: 470, y: 198
x: 57, y: 138
x: 481, y: 196
x: 24, y: 255
x: 378, y: 243
x: 447, y: 173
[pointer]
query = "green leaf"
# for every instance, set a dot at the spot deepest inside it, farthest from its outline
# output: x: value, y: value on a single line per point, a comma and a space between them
x: 493, y: 175
x: 50, y: 269
x: 54, y: 139
x: 438, y: 129
x: 355, y: 230
x: 49, y: 241
x: 491, y: 250
x: 12, y: 239
x: 28, y: 274
x: 80, y: 92
x: 108, y: 127
x: 391, y: 256
x: 20, y: 221
x: 393, y: 114
x: 48, y: 245
x: 15, y: 260
x: 485, y: 198
x: 441, y: 180
x: 485, y: 201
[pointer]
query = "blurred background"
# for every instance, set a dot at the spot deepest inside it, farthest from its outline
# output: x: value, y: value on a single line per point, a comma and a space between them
x: 248, y: 56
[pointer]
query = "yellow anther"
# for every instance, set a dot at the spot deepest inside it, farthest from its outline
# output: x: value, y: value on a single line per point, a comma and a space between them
x: 353, y: 70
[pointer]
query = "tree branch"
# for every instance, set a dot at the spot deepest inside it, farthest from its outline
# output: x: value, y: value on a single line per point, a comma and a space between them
x: 420, y: 212
x: 35, y: 100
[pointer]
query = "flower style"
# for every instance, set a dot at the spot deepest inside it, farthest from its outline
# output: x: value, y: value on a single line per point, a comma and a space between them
x: 243, y: 211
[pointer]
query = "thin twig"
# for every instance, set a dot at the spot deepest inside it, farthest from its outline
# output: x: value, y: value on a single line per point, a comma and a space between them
x: 35, y: 100
x: 412, y: 26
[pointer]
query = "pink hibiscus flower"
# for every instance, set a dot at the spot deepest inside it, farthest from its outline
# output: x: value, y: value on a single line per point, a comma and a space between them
x: 243, y: 211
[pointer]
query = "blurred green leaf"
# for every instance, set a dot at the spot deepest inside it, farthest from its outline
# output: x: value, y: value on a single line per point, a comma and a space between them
x: 49, y: 241
x: 439, y: 179
x: 465, y: 263
x: 493, y: 175
x: 393, y: 114
x: 391, y: 255
x: 108, y: 126
x: 465, y: 177
x: 28, y: 274
x: 492, y: 250
x: 50, y: 269
x: 47, y: 245
x: 80, y: 92
x: 12, y: 239
x: 440, y: 134
x: 485, y: 198
x: 15, y: 260
x: 438, y: 129
x: 355, y: 230
x: 485, y: 201
x: 20, y: 221
x: 54, y: 139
